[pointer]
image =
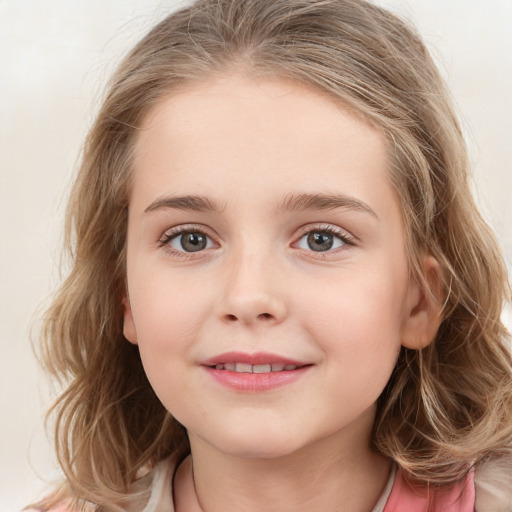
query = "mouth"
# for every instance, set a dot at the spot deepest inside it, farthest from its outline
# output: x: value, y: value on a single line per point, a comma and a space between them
x: 256, y: 368
x: 254, y: 372
x: 259, y: 362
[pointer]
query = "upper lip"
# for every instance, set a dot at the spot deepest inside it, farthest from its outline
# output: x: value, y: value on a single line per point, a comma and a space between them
x: 253, y: 359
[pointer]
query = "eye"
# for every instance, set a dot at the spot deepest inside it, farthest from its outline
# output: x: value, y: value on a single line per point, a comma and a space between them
x: 322, y: 240
x: 187, y: 240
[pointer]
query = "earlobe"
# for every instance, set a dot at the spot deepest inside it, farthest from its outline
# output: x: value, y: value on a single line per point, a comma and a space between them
x: 128, y: 324
x: 425, y: 307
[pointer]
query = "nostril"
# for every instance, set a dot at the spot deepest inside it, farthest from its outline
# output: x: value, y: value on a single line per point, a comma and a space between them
x: 261, y: 316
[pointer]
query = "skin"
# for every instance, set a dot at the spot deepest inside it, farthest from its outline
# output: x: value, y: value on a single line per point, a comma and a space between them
x: 259, y: 286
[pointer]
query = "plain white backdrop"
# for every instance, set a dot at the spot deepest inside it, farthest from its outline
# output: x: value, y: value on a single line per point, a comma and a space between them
x: 55, y: 56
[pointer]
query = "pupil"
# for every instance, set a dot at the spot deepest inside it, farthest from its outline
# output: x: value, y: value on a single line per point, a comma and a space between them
x: 320, y: 241
x: 193, y: 242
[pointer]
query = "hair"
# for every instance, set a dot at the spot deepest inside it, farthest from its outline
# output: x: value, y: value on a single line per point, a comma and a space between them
x: 446, y: 406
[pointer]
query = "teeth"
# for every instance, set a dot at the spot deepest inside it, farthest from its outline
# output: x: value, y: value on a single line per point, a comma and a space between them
x: 261, y: 368
x: 257, y: 368
x: 243, y: 368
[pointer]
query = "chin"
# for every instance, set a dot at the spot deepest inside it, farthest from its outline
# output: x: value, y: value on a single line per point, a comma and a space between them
x: 256, y: 444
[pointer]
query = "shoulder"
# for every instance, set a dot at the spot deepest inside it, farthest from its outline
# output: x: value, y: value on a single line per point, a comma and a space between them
x: 151, y: 492
x: 61, y: 507
x: 407, y: 496
x: 486, y: 489
x: 493, y: 486
x: 160, y: 496
x: 56, y: 502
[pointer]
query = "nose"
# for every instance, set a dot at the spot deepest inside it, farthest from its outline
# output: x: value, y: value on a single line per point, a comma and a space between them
x: 253, y: 293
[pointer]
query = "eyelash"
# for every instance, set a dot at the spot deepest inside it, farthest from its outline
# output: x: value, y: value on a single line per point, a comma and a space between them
x: 173, y: 233
x: 329, y: 229
x: 170, y: 235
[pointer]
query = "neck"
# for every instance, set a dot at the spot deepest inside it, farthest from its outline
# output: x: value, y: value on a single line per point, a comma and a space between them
x: 328, y: 475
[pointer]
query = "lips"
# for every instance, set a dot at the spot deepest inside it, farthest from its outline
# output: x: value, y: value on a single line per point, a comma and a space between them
x: 255, y: 368
x: 254, y: 372
x: 260, y: 362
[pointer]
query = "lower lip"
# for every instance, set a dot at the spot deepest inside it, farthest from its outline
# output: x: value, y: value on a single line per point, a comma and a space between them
x: 256, y: 382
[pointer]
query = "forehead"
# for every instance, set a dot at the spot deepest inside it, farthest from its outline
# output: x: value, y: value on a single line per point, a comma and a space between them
x: 236, y: 133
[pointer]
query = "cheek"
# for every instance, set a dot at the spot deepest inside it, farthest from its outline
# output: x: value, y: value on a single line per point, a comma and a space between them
x: 167, y: 318
x: 165, y: 323
x: 357, y: 322
x: 165, y: 308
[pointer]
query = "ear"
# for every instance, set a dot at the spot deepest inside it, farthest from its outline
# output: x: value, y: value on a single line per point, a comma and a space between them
x: 129, y: 330
x: 424, y: 306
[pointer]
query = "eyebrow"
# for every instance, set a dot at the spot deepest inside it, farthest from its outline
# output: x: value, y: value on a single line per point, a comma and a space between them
x: 190, y: 203
x: 297, y: 202
x: 292, y: 202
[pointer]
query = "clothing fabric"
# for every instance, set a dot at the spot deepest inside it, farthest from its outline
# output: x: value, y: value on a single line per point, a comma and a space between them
x: 458, y: 498
x: 398, y: 495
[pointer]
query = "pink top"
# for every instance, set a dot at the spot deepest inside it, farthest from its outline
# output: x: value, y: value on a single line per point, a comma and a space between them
x: 404, y: 498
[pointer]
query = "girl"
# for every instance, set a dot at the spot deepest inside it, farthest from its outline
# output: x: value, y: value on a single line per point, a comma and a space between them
x: 282, y: 295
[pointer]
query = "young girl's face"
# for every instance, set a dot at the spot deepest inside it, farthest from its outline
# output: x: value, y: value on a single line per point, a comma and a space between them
x: 264, y: 231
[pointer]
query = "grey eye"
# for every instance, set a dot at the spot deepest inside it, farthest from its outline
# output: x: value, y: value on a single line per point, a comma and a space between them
x: 320, y: 241
x: 191, y: 241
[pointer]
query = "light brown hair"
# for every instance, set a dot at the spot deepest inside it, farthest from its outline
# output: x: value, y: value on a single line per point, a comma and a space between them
x: 446, y: 406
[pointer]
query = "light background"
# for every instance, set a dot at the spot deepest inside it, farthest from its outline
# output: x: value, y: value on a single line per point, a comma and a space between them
x: 55, y: 56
